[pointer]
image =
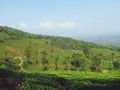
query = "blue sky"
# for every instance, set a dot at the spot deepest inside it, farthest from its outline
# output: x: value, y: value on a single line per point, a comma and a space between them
x: 62, y: 17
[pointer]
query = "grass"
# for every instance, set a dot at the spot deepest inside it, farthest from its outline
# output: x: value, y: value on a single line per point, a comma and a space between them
x: 17, y: 48
x: 62, y: 80
x: 81, y: 74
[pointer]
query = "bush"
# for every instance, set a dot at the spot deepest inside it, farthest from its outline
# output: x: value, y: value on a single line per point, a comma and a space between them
x: 93, y: 68
x: 45, y: 68
x: 116, y: 65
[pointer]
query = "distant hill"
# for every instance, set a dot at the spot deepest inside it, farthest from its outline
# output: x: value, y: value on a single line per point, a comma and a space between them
x: 107, y: 40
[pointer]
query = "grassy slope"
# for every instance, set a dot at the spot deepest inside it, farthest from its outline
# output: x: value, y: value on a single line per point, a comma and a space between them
x: 16, y: 47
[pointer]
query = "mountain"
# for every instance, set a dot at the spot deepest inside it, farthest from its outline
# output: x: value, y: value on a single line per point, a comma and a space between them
x: 107, y: 40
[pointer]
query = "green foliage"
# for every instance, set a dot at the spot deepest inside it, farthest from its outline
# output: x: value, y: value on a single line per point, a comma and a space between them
x: 116, y: 64
x: 39, y: 50
x: 86, y: 51
x: 84, y: 64
x: 9, y: 65
x: 44, y: 53
x: 55, y: 81
x: 28, y: 54
x: 96, y: 63
x: 44, y: 60
x: 65, y: 62
x: 56, y: 62
x: 76, y: 57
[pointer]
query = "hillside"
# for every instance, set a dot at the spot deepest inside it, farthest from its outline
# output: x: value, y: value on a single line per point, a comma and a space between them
x: 34, y: 49
x: 49, y: 62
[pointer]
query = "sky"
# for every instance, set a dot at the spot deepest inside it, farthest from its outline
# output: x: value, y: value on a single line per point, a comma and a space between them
x: 70, y: 18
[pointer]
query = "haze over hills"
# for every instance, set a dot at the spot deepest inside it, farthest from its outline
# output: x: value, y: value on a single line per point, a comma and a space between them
x: 107, y: 40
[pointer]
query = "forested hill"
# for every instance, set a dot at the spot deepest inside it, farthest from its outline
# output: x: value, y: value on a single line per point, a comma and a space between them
x: 62, y: 42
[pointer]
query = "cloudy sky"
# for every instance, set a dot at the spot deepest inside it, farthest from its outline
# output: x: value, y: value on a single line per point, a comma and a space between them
x: 62, y: 17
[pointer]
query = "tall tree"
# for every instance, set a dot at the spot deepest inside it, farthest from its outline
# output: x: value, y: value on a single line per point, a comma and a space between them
x: 36, y: 54
x: 112, y: 60
x: 65, y: 62
x: 85, y: 50
x: 84, y: 64
x: 28, y: 52
x: 116, y: 64
x: 44, y: 60
x: 52, y: 43
x: 56, y: 62
x: 96, y: 62
x: 113, y: 54
x: 6, y: 55
x: 76, y: 60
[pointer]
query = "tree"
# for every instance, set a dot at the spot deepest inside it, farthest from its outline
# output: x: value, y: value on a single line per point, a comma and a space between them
x: 44, y: 60
x: 96, y: 63
x: 85, y: 50
x: 112, y: 60
x: 36, y: 55
x: 76, y: 60
x: 28, y: 54
x: 44, y: 63
x: 113, y: 54
x: 116, y: 64
x: 56, y: 62
x: 6, y: 55
x: 84, y: 64
x: 52, y: 43
x: 65, y: 62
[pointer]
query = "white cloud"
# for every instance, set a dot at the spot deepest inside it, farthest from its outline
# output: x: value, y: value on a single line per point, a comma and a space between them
x: 51, y: 25
x: 23, y: 25
x: 46, y: 25
x: 67, y: 25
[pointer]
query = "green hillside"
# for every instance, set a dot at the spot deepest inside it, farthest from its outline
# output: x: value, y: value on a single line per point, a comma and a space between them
x: 16, y: 43
x: 62, y: 56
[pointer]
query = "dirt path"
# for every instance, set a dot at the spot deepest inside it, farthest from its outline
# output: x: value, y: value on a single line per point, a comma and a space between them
x: 21, y: 63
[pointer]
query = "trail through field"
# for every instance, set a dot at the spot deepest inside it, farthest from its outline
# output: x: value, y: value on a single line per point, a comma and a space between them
x: 21, y: 63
